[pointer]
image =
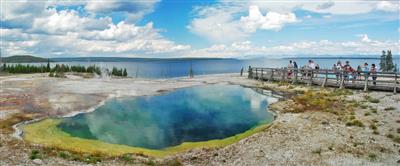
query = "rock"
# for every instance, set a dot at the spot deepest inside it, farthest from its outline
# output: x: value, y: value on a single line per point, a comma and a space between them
x: 37, y: 161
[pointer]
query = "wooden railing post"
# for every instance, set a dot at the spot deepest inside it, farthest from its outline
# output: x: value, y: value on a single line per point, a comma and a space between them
x: 326, y: 79
x: 395, y: 83
x: 283, y: 75
x: 341, y: 80
x: 271, y: 77
x: 256, y: 73
x: 310, y: 79
x: 295, y: 76
x: 366, y: 81
x: 262, y: 71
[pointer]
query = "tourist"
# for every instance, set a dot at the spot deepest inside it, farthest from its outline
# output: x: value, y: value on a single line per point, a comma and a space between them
x: 290, y: 67
x: 250, y: 72
x: 295, y: 65
x: 359, y: 70
x: 366, y: 70
x: 373, y: 71
x: 346, y: 69
x: 339, y: 65
x: 311, y: 64
x: 338, y: 70
x: 351, y: 73
x: 335, y: 70
x: 347, y: 65
x: 241, y: 72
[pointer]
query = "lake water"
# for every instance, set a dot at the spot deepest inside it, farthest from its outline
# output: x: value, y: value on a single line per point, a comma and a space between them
x: 169, y: 68
x: 184, y: 115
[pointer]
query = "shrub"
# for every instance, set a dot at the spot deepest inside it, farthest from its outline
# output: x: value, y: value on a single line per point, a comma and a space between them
x: 34, y: 155
x: 390, y: 108
x: 358, y: 123
x: 317, y: 151
x: 373, y: 127
x: 355, y: 123
x: 372, y: 156
x: 367, y: 114
x: 174, y: 162
x: 127, y: 158
x: 63, y: 155
x: 396, y: 139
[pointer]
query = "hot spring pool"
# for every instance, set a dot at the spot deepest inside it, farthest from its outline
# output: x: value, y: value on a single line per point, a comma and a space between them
x: 169, y: 119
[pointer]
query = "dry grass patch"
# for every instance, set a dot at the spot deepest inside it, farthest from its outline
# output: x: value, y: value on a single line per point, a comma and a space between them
x: 322, y: 100
x: 6, y: 125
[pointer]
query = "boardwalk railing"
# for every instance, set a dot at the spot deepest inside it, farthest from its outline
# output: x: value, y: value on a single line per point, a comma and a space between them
x: 383, y: 81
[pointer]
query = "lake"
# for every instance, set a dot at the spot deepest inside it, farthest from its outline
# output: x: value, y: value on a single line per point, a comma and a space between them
x: 184, y: 115
x: 170, y: 68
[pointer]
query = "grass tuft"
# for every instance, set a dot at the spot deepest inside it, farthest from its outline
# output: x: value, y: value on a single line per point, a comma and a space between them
x: 35, y: 154
x: 355, y: 122
x: 373, y: 127
x: 372, y: 156
x: 317, y: 151
x: 389, y: 109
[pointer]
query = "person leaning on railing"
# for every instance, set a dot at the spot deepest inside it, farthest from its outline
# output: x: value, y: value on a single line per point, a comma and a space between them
x: 373, y: 71
x: 366, y: 70
x: 250, y: 72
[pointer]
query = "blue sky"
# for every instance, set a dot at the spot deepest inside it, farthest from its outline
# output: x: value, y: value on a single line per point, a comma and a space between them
x: 178, y: 28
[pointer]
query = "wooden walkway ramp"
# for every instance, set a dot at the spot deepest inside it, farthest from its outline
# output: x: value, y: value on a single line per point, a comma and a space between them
x: 385, y: 81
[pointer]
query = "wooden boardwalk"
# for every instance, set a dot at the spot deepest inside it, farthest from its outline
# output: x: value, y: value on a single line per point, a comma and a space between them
x: 385, y: 81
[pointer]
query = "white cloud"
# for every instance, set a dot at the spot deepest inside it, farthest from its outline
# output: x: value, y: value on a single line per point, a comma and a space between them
x: 134, y: 10
x: 217, y: 24
x: 364, y: 38
x: 227, y: 21
x: 335, y: 7
x: 364, y: 46
x: 52, y: 32
x: 271, y: 21
x: 122, y: 32
x: 389, y: 6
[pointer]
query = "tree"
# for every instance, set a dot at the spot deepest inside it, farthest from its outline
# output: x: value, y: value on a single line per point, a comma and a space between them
x: 125, y: 73
x: 389, y: 61
x: 383, y: 61
x: 48, y: 65
x: 114, y: 71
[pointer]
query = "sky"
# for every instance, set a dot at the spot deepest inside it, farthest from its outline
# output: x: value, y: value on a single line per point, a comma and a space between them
x: 195, y: 28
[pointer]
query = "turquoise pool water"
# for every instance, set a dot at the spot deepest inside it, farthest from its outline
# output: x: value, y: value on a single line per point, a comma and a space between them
x: 184, y: 115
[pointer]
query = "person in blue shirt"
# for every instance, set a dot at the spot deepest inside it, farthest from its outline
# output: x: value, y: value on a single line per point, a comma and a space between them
x: 366, y: 70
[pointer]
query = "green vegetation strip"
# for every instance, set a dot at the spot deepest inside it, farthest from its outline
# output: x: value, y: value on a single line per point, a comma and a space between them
x: 47, y: 133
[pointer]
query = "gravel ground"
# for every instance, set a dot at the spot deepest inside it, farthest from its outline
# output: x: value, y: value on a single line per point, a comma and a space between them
x: 309, y: 138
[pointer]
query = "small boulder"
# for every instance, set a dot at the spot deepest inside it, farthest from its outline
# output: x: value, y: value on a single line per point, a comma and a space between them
x: 37, y: 161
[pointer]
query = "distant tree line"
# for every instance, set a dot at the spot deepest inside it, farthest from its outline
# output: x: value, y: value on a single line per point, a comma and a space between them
x: 59, y: 69
x: 19, y: 68
x: 119, y: 72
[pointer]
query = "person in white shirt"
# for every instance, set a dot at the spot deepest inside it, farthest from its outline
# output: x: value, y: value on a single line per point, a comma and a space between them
x: 311, y: 64
x: 290, y: 67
